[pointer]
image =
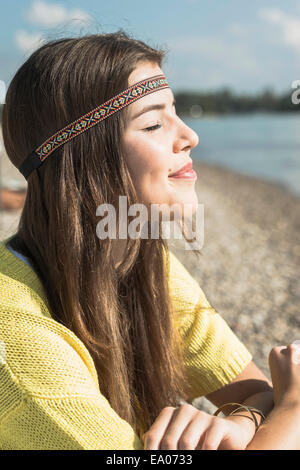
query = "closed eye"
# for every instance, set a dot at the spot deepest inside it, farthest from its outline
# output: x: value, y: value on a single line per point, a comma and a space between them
x: 153, y: 128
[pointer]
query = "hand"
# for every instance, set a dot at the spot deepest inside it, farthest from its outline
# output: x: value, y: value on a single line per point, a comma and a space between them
x: 187, y: 428
x: 284, y: 363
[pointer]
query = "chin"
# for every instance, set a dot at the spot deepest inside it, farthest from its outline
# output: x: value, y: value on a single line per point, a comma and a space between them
x: 175, y: 206
x: 185, y: 207
x: 188, y: 203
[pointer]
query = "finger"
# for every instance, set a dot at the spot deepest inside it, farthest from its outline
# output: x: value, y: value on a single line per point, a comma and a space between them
x: 212, y: 438
x: 180, y: 419
x: 153, y: 436
x: 278, y: 351
x: 275, y: 353
x: 193, y: 433
x: 294, y: 350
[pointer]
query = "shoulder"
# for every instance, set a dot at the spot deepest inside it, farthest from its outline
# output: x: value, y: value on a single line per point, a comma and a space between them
x: 184, y: 289
x: 39, y: 351
x: 19, y: 284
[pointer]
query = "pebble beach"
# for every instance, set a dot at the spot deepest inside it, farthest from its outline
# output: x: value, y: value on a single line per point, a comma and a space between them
x: 249, y: 268
x: 250, y: 263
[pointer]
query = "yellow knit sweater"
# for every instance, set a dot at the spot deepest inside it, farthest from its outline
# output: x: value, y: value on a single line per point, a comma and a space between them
x: 49, y: 392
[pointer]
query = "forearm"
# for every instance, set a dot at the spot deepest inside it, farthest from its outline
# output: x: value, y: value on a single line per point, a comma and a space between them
x: 280, y: 431
x: 263, y: 401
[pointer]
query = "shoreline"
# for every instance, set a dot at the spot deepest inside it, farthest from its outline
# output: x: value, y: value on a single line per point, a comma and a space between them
x: 259, y: 180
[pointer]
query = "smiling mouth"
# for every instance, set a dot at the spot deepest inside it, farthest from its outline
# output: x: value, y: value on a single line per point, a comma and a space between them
x: 188, y: 175
x: 185, y: 172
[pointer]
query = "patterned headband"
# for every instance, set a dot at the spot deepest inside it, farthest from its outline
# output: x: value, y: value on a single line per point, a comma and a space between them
x: 82, y: 124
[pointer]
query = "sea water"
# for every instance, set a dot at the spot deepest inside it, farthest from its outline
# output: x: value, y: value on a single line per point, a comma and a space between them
x: 264, y: 145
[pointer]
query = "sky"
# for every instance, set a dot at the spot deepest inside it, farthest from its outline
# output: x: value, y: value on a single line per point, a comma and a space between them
x: 244, y: 45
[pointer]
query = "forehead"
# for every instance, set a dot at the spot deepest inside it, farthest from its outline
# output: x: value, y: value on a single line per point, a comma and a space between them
x: 163, y: 96
x: 144, y: 70
x: 158, y: 100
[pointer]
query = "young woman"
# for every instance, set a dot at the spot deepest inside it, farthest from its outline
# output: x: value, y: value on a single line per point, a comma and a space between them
x: 101, y: 338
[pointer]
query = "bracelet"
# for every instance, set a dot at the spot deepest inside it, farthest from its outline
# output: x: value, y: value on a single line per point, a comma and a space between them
x: 248, y: 408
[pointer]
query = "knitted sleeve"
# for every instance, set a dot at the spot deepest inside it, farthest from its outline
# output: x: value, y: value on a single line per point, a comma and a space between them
x: 213, y: 354
x: 49, y: 392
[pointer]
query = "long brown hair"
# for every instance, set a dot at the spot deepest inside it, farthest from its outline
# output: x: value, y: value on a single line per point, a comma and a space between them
x: 124, y: 316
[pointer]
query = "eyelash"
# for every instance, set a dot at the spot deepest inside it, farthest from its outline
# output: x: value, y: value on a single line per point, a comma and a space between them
x: 156, y: 127
x: 153, y: 128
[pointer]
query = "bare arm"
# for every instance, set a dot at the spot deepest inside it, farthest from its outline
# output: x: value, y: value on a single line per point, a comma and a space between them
x: 280, y: 431
x: 251, y: 387
x: 188, y: 428
x: 249, y: 382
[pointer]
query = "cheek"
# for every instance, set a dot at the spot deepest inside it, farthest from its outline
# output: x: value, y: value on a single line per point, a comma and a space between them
x: 148, y: 166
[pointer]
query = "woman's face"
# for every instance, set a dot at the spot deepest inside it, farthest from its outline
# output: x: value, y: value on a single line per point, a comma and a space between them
x: 152, y: 154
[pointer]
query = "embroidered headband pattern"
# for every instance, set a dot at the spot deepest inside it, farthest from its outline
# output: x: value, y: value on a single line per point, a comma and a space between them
x: 82, y: 124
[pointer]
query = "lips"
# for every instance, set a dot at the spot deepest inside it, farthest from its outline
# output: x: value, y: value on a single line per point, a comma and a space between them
x: 185, y: 169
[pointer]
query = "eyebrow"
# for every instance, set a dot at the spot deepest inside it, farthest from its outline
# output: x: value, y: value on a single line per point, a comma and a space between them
x: 151, y: 107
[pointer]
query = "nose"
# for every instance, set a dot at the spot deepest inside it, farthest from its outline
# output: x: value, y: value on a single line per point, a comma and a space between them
x: 185, y: 137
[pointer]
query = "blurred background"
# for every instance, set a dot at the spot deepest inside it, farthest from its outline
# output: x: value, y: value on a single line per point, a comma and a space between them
x: 233, y: 67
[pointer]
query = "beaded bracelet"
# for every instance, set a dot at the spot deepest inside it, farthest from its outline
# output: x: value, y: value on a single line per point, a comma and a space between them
x: 248, y: 408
